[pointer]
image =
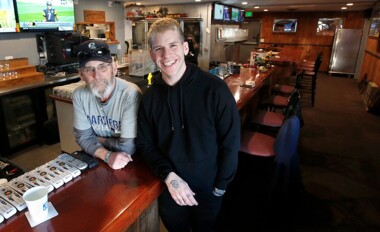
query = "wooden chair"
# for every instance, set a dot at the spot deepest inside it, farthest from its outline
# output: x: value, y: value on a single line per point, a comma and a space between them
x: 287, y: 189
x: 285, y: 89
x: 269, y: 121
x: 308, y: 80
x: 260, y: 144
x: 286, y: 186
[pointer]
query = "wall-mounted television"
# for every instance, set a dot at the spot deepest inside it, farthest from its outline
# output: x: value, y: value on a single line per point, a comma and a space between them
x: 235, y: 14
x: 285, y: 25
x: 51, y: 15
x: 62, y: 48
x: 241, y: 15
x: 218, y: 11
x: 7, y: 16
x: 227, y: 13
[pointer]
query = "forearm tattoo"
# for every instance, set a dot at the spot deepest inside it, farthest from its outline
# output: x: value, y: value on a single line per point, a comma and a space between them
x: 174, y: 184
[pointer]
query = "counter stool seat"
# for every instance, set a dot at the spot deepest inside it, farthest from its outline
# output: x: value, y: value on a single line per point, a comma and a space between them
x: 284, y: 89
x: 256, y: 143
x: 259, y: 144
x: 268, y: 118
x: 277, y: 101
x: 271, y: 120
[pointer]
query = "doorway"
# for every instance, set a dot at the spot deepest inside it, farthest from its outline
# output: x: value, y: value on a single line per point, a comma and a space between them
x: 254, y: 32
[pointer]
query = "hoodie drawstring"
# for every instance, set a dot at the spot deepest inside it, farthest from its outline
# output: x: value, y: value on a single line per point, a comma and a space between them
x: 171, y: 109
x: 181, y: 108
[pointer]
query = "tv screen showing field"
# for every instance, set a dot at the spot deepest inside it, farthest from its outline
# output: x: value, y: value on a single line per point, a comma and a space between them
x: 57, y: 15
x: 235, y: 14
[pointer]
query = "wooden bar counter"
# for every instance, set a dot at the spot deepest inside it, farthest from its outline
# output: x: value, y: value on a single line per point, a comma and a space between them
x: 101, y: 199
x: 244, y: 94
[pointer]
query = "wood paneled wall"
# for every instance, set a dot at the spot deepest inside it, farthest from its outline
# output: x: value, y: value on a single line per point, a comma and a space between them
x: 371, y: 62
x: 305, y: 36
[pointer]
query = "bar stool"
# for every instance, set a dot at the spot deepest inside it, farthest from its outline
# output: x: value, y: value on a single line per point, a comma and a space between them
x: 271, y: 121
x: 285, y: 185
x: 284, y: 89
x: 304, y: 68
x: 275, y: 103
x: 308, y: 80
x: 260, y: 144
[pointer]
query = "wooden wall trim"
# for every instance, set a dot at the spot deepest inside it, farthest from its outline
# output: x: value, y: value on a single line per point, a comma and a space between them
x: 299, y: 44
x: 372, y: 54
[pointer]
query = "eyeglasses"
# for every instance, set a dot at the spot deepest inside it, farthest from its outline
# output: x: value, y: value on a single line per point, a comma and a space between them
x: 84, y: 55
x: 89, y: 70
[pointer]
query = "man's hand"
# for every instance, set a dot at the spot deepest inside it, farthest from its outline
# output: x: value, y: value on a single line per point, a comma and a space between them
x: 180, y: 190
x: 118, y: 160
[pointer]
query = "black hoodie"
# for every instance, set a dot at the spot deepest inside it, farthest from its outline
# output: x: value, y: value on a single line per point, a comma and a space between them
x: 191, y: 128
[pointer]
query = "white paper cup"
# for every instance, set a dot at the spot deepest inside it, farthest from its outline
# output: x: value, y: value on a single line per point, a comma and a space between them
x: 36, y: 199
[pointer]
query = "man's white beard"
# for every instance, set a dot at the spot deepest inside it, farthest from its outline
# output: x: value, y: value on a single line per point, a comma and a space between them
x: 106, y: 92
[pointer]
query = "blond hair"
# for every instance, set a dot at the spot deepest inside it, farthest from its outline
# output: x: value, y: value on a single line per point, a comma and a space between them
x: 162, y: 25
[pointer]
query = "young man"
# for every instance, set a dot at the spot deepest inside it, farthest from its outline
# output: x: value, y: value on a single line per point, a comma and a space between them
x: 105, y: 109
x: 188, y: 133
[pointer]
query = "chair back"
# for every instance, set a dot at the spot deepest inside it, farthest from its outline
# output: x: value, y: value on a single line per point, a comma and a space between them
x: 287, y: 179
x: 294, y: 106
x: 318, y: 62
x: 286, y: 144
x: 287, y: 186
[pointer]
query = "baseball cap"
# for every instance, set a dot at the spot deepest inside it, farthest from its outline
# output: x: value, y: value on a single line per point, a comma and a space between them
x: 91, y: 50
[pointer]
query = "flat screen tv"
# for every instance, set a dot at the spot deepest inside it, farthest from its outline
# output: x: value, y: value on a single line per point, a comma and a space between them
x: 7, y: 16
x: 285, y: 25
x: 218, y: 12
x: 235, y: 14
x: 227, y: 13
x: 51, y: 15
x: 241, y: 15
x: 62, y: 48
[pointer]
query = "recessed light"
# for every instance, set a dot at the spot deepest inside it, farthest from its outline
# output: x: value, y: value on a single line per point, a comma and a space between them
x: 198, y: 0
x: 265, y: 9
x: 138, y: 3
x: 256, y: 7
x: 244, y: 3
x: 350, y: 4
x: 344, y: 8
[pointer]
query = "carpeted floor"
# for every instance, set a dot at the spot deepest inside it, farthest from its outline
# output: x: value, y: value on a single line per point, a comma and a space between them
x: 340, y: 160
x: 339, y: 152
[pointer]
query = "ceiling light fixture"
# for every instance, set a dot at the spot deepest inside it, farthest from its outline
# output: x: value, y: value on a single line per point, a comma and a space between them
x: 265, y: 9
x: 244, y: 3
x: 138, y: 3
x: 350, y: 4
x: 344, y: 8
x: 198, y: 0
x: 256, y: 7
